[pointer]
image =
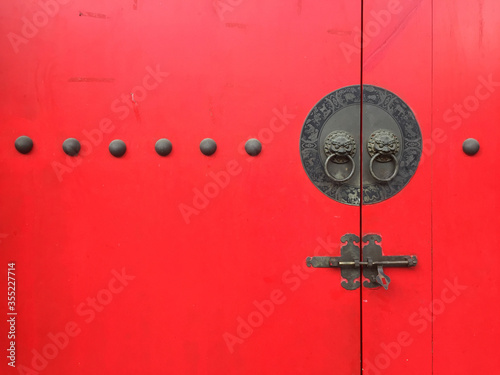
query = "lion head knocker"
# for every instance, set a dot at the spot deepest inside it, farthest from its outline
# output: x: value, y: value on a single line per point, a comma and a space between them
x: 385, y: 143
x: 340, y: 144
x: 340, y: 147
x: 383, y: 146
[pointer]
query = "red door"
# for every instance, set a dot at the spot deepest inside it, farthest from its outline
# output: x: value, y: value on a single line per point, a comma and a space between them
x: 398, y: 56
x: 183, y: 264
x: 441, y: 59
x: 195, y: 264
x: 465, y: 203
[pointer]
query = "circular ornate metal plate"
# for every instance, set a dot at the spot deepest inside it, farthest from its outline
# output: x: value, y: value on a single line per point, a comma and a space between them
x: 340, y: 111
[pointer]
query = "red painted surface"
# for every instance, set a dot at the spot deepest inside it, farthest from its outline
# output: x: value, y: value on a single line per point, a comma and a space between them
x: 195, y: 265
x: 465, y: 198
x: 398, y: 58
x: 256, y: 71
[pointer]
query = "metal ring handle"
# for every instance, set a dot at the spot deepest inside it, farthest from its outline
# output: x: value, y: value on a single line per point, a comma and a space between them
x: 337, y: 179
x: 396, y: 169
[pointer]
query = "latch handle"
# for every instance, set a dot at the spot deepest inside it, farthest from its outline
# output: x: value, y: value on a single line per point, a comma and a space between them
x: 382, y: 278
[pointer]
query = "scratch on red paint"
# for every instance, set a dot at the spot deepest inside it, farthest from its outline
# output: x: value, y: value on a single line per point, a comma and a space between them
x: 401, y: 26
x: 136, y: 112
x: 339, y: 32
x: 135, y: 5
x: 90, y: 79
x: 136, y: 109
x: 481, y: 22
x: 237, y: 25
x: 95, y: 15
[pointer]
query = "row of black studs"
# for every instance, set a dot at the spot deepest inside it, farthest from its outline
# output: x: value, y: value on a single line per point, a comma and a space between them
x: 117, y: 148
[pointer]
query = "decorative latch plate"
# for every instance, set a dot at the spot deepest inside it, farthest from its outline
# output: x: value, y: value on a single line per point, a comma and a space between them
x: 373, y: 262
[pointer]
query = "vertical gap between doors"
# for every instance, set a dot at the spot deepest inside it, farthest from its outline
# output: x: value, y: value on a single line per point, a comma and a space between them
x: 361, y: 194
x: 432, y: 187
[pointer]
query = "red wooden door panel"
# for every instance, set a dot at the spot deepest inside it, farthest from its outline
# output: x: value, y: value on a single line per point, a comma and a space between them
x: 438, y: 317
x: 194, y: 264
x: 186, y: 264
x: 397, y: 57
x: 465, y: 199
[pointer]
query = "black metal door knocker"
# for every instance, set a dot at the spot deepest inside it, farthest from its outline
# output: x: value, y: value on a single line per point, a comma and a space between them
x: 331, y: 144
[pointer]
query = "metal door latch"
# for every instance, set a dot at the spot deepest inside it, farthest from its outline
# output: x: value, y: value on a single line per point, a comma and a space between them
x: 373, y: 262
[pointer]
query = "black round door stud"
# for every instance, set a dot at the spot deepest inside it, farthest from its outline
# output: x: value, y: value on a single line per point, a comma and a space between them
x: 470, y: 146
x: 163, y: 147
x: 253, y: 147
x: 71, y: 146
x: 117, y: 148
x: 208, y: 146
x: 391, y: 146
x: 23, y: 144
